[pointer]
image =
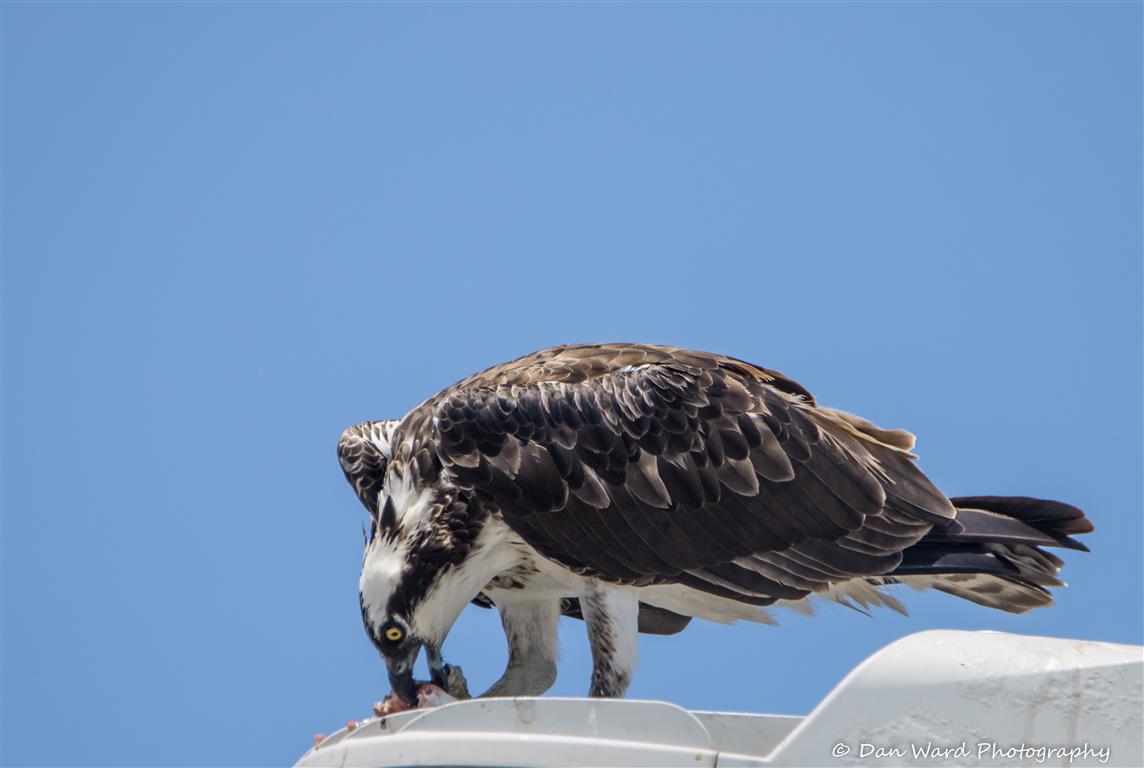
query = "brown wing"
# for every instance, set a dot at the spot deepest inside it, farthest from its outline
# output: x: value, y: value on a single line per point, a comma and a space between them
x: 648, y: 465
x: 363, y: 452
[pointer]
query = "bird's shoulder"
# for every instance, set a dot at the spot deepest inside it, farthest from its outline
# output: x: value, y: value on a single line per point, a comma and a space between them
x: 577, y: 364
x: 582, y: 362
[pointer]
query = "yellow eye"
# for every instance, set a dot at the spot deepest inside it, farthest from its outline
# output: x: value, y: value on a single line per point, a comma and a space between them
x: 393, y: 634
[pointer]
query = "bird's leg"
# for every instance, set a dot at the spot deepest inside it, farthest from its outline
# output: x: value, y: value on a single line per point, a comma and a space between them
x: 611, y: 615
x: 530, y: 627
x: 447, y: 677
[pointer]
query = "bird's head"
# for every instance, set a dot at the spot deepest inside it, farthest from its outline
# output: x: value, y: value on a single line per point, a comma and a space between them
x: 403, y: 606
x: 422, y: 566
x: 399, y: 647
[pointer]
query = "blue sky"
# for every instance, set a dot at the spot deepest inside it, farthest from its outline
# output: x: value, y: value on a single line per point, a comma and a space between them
x: 231, y: 230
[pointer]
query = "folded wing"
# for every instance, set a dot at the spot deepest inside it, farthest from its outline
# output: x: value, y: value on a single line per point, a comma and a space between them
x: 648, y: 465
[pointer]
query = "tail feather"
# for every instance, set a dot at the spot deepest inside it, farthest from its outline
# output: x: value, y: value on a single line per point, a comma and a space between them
x: 1053, y: 518
x: 991, y: 552
x: 1000, y: 592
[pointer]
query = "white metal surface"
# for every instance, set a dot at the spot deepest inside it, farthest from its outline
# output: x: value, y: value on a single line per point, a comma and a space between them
x: 933, y: 698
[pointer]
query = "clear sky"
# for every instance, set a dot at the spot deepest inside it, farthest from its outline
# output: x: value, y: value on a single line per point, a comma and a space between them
x: 231, y: 230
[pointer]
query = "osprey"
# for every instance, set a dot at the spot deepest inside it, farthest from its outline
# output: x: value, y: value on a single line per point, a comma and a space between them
x: 637, y: 486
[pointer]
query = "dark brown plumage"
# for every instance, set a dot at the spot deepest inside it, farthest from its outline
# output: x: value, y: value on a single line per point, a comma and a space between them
x: 644, y: 465
x: 635, y: 486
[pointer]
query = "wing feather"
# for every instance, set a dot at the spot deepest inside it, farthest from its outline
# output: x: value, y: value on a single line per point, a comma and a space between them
x: 650, y: 465
x: 363, y: 452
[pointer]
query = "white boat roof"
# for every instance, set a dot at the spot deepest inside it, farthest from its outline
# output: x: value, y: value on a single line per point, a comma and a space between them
x: 933, y: 698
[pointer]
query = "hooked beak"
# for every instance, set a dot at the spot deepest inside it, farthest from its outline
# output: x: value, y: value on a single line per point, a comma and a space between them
x: 400, y: 667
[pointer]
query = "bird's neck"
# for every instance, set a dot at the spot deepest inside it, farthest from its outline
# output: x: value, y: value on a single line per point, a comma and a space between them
x: 488, y: 556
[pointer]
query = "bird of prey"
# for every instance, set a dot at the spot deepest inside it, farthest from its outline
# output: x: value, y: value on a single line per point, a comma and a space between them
x: 637, y: 486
